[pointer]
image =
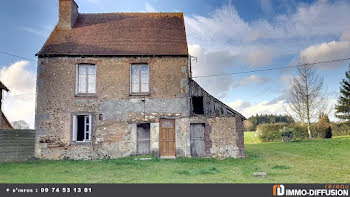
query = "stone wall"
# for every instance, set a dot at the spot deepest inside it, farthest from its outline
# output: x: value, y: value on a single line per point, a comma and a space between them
x: 115, y: 112
x: 224, y: 136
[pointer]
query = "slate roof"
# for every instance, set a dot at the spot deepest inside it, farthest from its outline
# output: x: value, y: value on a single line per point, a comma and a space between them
x: 118, y: 34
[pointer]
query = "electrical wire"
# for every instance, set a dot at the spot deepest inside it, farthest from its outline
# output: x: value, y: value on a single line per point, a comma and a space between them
x: 226, y: 74
x: 270, y: 69
x: 9, y: 54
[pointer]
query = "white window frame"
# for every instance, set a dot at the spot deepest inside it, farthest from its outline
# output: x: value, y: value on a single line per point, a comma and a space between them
x: 87, y: 127
x: 139, y: 80
x: 77, y: 91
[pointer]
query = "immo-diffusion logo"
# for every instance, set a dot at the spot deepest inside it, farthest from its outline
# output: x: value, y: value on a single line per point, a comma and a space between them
x: 281, y: 190
x: 278, y: 190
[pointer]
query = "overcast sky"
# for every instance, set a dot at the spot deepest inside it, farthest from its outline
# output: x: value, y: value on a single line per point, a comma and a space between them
x: 225, y: 36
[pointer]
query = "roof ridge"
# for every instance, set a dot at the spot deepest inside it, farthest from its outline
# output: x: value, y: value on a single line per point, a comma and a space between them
x: 146, y: 13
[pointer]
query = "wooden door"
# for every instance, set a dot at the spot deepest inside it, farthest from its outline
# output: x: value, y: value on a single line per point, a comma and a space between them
x: 143, y: 139
x: 167, y: 138
x: 197, y: 140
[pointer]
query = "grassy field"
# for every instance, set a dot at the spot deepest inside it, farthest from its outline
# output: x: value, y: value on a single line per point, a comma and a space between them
x: 317, y: 161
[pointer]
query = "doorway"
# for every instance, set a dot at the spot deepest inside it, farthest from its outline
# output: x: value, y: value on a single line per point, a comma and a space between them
x: 143, y: 139
x: 167, y: 138
x: 197, y: 145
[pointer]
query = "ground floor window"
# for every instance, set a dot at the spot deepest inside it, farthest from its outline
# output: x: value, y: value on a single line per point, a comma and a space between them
x: 82, y: 125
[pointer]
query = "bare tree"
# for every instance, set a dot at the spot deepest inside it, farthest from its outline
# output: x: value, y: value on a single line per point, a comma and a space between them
x: 306, y: 97
x: 248, y: 125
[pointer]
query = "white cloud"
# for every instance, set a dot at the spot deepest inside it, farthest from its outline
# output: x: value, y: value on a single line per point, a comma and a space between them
x: 150, y: 8
x: 19, y: 104
x: 259, y: 42
x: 222, y: 25
x: 264, y: 107
x: 225, y: 24
x: 209, y: 63
x: 266, y: 6
x: 345, y: 36
x: 327, y: 51
x: 258, y: 56
x: 239, y: 105
x: 43, y: 31
x: 252, y: 79
x: 225, y: 34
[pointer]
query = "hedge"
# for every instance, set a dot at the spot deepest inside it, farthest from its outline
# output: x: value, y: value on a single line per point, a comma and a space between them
x: 340, y: 129
x: 272, y: 132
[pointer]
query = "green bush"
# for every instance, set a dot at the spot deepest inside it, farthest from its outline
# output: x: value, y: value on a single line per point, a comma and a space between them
x: 270, y: 132
x: 275, y: 132
x: 340, y: 129
x: 287, y: 134
x: 299, y: 131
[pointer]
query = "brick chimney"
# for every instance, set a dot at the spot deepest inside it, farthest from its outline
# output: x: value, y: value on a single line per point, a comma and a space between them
x: 68, y: 14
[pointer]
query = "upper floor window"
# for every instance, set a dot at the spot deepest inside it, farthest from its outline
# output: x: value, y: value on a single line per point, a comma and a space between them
x: 139, y: 78
x: 86, y: 79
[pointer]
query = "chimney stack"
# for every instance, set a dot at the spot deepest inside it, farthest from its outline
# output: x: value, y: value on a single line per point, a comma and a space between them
x: 68, y: 14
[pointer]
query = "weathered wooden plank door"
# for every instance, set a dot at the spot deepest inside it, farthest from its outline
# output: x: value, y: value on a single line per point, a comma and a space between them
x: 143, y: 139
x: 167, y: 138
x: 197, y: 140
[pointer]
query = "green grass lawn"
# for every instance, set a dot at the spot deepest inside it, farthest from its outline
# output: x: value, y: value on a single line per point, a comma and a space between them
x: 317, y: 161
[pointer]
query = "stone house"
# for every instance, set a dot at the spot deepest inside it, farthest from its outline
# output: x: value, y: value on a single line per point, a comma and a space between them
x: 4, y: 123
x: 119, y: 84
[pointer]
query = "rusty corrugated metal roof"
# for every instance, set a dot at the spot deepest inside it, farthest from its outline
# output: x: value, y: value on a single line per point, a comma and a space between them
x: 120, y: 34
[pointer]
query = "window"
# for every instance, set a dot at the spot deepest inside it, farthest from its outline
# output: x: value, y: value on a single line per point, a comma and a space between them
x: 139, y: 78
x: 197, y: 104
x: 82, y: 125
x: 86, y: 79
